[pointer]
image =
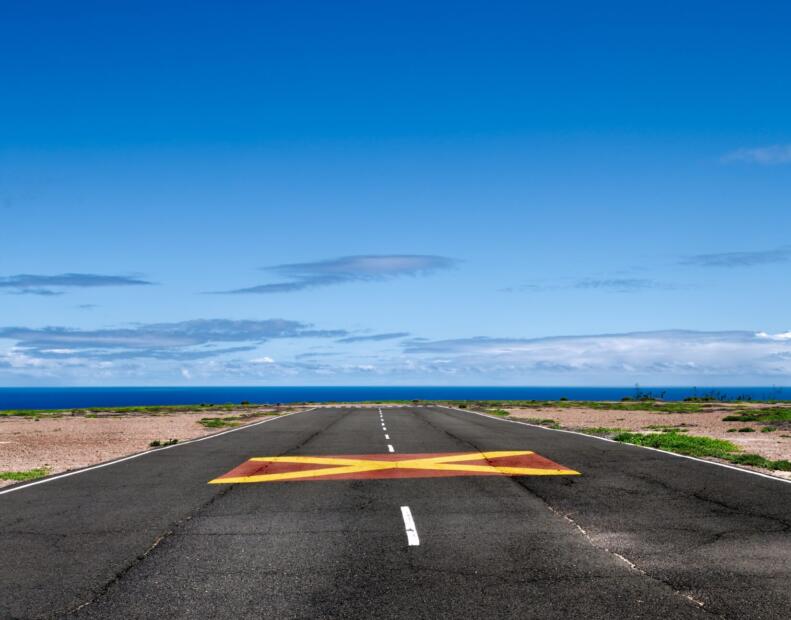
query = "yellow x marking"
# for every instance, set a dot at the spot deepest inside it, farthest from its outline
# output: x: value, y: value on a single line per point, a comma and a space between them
x: 354, y: 467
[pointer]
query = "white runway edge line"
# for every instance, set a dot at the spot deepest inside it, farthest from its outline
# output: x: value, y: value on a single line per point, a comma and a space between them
x: 409, y: 525
x: 621, y: 443
x: 139, y: 454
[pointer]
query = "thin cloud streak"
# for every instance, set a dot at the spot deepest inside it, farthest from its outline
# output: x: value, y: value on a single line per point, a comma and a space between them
x: 180, y: 340
x: 33, y: 284
x: 764, y: 155
x: 739, y: 259
x: 346, y: 269
x: 610, y: 285
x: 374, y: 337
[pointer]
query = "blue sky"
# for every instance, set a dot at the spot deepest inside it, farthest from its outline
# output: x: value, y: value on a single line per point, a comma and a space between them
x: 378, y: 193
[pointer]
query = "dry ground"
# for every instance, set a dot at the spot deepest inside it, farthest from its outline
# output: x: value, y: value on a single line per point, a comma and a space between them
x: 70, y: 442
x: 64, y: 443
x: 775, y: 445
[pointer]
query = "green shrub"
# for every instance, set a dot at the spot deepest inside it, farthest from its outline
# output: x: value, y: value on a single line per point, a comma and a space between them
x: 165, y: 442
x: 21, y: 476
x: 769, y: 414
x: 756, y: 460
x: 691, y: 445
x: 601, y: 431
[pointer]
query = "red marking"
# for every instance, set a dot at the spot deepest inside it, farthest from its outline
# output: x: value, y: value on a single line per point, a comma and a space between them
x: 257, y: 468
x: 532, y: 461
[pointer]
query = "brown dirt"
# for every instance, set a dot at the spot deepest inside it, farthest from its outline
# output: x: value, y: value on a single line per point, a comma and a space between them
x: 775, y: 445
x: 64, y: 443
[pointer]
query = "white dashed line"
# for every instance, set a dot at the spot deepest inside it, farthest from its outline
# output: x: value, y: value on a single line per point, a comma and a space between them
x: 390, y: 448
x: 387, y: 436
x: 409, y: 526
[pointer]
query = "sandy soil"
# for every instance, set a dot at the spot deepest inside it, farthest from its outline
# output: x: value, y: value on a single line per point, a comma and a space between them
x: 64, y: 443
x: 776, y: 445
x: 67, y: 443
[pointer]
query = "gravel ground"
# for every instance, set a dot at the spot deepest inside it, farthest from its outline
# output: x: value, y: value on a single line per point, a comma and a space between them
x: 775, y: 445
x: 64, y: 443
x: 69, y: 442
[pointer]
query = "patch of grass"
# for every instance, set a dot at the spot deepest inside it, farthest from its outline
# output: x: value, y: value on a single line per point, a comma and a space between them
x: 631, y: 405
x: 219, y: 422
x: 768, y: 429
x: 601, y: 431
x: 500, y: 412
x: 702, y: 446
x: 651, y: 406
x: 666, y: 429
x: 548, y: 422
x: 149, y: 409
x: 165, y: 442
x: 756, y: 460
x: 235, y: 420
x: 745, y: 429
x: 691, y: 445
x: 769, y: 414
x: 21, y: 476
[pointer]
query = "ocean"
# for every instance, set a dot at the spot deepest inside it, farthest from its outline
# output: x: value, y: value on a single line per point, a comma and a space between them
x: 82, y: 397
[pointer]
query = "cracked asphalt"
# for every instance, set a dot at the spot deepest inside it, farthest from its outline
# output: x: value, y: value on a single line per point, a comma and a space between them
x: 639, y: 534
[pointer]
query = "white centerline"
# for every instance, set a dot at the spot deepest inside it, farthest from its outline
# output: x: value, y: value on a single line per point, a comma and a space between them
x: 390, y: 448
x: 409, y: 526
x: 387, y: 436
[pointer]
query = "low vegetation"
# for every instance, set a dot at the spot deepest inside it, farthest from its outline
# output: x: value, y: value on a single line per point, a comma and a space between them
x: 682, y: 444
x: 702, y: 447
x: 667, y: 429
x: 92, y: 412
x: 21, y: 476
x: 236, y: 420
x: 220, y: 422
x: 654, y: 406
x: 601, y: 431
x: 756, y: 460
x: 768, y: 414
x: 548, y: 422
x: 162, y: 443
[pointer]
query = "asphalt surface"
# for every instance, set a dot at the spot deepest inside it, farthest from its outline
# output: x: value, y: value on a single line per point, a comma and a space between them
x: 639, y: 534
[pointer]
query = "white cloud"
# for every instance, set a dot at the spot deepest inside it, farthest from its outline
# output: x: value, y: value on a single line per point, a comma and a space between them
x: 779, y: 337
x: 672, y: 357
x: 766, y: 155
x: 658, y: 354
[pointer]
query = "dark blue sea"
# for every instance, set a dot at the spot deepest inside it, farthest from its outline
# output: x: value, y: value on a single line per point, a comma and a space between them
x: 77, y: 397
